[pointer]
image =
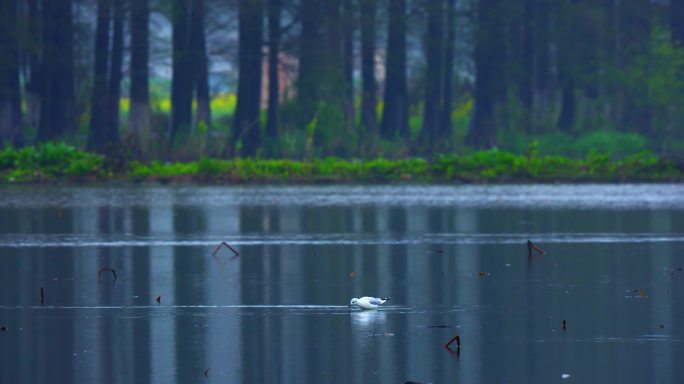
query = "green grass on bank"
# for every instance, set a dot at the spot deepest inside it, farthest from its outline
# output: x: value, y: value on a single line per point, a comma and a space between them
x: 60, y: 162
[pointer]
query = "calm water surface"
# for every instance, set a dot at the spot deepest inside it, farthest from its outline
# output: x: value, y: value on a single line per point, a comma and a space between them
x: 453, y: 260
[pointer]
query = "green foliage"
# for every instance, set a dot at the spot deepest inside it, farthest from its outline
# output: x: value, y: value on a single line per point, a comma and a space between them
x: 62, y: 162
x: 614, y: 144
x: 49, y: 160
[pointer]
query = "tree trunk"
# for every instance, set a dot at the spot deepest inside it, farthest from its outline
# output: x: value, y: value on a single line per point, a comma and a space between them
x: 139, y: 112
x: 10, y: 95
x: 33, y: 83
x: 182, y: 81
x: 677, y: 21
x: 368, y: 97
x: 527, y: 70
x: 348, y: 61
x: 57, y: 91
x: 309, y: 60
x: 114, y: 90
x: 98, y: 100
x: 201, y: 69
x: 434, y: 44
x: 395, y: 112
x: 567, y: 114
x: 489, y: 56
x: 272, y: 130
x: 568, y: 63
x: 447, y: 96
x: 246, y: 127
x: 542, y: 26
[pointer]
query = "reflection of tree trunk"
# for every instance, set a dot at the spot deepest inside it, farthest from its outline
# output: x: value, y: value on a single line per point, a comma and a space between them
x: 33, y: 82
x: 10, y: 94
x: 272, y: 133
x: 434, y: 44
x: 201, y: 69
x: 181, y: 83
x: 139, y: 112
x: 395, y: 112
x: 98, y: 100
x: 445, y: 129
x: 368, y: 97
x: 57, y: 91
x: 246, y: 125
x: 115, y: 75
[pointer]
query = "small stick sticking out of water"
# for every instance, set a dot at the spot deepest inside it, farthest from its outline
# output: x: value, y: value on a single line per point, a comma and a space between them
x: 99, y: 273
x: 227, y: 245
x: 564, y: 325
x: 158, y: 299
x: 206, y: 372
x: 531, y: 246
x: 456, y: 339
x: 42, y: 296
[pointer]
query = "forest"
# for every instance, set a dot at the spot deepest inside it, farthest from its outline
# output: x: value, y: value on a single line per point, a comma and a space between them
x: 183, y: 80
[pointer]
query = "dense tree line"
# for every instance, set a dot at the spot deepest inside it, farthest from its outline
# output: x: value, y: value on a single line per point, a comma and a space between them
x: 340, y: 77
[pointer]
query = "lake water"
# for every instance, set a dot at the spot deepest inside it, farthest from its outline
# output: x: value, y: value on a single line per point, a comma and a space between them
x: 453, y: 259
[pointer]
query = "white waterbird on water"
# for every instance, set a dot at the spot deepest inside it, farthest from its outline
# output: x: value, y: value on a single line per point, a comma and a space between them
x: 367, y: 302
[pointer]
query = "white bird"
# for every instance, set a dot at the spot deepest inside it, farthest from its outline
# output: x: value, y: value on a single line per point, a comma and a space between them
x: 367, y: 302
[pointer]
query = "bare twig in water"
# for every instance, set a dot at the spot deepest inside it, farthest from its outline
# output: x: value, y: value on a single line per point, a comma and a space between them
x: 99, y: 273
x: 531, y: 246
x: 223, y: 243
x: 42, y: 296
x: 456, y: 339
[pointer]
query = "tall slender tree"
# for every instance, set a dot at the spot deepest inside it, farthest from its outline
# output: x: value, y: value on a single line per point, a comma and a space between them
x: 308, y: 78
x: 395, y: 112
x: 246, y: 127
x: 201, y: 64
x: 182, y: 75
x: 115, y: 74
x: 10, y: 93
x: 369, y: 86
x: 677, y: 21
x: 567, y: 63
x: 274, y: 32
x: 449, y: 52
x: 434, y: 75
x: 32, y: 49
x: 139, y: 112
x: 98, y: 100
x: 527, y: 56
x: 490, y: 88
x: 57, y: 91
x: 348, y: 61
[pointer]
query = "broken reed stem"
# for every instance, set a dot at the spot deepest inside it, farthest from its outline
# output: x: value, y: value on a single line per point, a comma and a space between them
x: 227, y: 245
x: 99, y: 273
x: 456, y: 339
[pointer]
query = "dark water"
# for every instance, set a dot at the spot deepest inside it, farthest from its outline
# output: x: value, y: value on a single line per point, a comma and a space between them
x: 278, y: 312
